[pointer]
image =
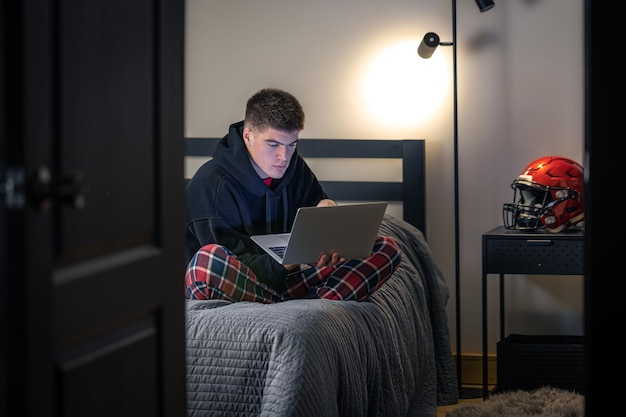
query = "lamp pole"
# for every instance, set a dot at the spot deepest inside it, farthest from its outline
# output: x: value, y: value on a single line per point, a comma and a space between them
x: 457, y: 251
x: 425, y: 50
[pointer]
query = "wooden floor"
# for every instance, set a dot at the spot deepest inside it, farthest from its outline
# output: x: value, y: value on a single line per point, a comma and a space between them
x: 443, y: 410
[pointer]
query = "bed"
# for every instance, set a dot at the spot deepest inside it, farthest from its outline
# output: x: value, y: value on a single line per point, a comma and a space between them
x: 388, y: 356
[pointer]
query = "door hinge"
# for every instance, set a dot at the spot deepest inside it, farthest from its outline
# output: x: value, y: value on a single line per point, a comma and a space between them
x: 12, y: 188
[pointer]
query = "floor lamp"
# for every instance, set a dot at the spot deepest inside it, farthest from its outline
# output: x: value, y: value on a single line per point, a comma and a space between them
x: 425, y: 50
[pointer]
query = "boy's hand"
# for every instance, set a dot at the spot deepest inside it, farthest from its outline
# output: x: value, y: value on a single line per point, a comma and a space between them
x: 329, y: 260
x: 326, y: 202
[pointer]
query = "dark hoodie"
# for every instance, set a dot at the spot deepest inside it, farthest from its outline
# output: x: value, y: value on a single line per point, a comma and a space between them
x: 227, y: 202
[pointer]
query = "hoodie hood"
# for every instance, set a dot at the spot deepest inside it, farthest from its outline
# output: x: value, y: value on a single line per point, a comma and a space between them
x: 232, y: 155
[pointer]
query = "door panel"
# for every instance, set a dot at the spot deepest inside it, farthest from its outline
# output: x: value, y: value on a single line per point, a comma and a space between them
x: 128, y: 355
x: 107, y: 115
x: 93, y: 293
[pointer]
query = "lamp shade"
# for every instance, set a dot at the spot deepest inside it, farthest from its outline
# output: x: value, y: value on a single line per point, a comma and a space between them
x: 485, y: 5
x: 428, y: 45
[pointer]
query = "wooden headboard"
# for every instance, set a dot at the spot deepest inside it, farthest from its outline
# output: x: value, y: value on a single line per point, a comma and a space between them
x: 411, y: 191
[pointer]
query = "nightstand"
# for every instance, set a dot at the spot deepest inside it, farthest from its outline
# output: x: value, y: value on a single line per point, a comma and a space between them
x: 525, y: 252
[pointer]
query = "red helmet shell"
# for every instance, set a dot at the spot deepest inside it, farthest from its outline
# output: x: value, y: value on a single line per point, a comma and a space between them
x: 555, y: 171
x: 548, y: 194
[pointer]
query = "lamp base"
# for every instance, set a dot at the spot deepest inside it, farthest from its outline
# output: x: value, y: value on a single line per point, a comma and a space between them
x: 466, y: 393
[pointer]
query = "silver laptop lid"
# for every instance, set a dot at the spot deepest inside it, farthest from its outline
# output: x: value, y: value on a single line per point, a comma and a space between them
x: 350, y: 229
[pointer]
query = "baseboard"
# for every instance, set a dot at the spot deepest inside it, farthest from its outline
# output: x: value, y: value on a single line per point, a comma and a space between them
x: 472, y: 369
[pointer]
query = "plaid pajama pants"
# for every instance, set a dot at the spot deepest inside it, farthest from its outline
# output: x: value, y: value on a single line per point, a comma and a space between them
x: 215, y: 273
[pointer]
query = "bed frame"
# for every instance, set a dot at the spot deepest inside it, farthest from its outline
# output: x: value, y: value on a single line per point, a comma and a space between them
x: 410, y: 191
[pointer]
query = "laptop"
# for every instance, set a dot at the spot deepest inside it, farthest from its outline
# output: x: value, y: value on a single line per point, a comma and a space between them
x: 350, y: 229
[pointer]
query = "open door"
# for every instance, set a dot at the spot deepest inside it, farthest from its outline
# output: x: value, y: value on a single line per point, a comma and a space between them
x: 92, y: 208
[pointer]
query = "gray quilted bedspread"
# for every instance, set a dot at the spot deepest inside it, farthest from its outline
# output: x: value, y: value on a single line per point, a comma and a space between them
x: 388, y: 356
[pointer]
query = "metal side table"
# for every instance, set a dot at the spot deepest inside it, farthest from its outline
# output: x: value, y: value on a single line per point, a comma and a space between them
x: 529, y: 253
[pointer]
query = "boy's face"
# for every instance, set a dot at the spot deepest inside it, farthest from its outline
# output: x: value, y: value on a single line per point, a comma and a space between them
x: 271, y: 150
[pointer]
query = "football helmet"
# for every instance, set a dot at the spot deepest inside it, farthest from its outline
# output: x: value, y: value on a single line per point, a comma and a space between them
x: 548, y: 194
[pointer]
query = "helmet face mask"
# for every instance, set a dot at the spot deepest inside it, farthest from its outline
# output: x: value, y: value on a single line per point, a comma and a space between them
x: 527, y: 210
x: 547, y: 195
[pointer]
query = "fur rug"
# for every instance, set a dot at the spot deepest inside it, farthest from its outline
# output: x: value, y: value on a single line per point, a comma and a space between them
x: 541, y: 402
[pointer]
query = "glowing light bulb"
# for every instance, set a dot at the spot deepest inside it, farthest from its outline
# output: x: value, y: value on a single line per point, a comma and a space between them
x: 402, y: 89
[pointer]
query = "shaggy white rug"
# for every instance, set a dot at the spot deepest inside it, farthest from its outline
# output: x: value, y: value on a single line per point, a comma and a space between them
x: 542, y: 402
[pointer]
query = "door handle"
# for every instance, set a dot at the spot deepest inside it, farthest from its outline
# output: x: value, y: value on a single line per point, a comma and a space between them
x: 44, y: 189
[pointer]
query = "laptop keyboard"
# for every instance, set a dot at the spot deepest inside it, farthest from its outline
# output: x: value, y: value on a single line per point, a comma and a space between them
x: 279, y: 250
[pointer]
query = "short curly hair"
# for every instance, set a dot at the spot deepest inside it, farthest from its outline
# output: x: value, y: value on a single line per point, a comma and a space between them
x: 276, y: 109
